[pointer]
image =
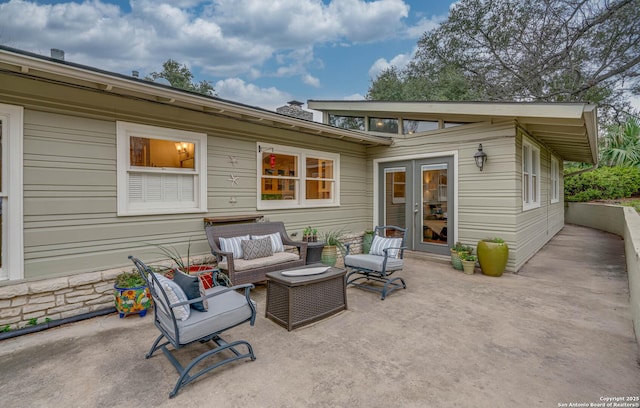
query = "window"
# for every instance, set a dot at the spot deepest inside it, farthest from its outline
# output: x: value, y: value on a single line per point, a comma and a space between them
x: 530, y: 175
x: 398, y: 184
x: 160, y: 170
x: 347, y: 122
x: 291, y: 178
x: 555, y: 180
x: 410, y: 127
x: 384, y: 125
x: 11, y: 193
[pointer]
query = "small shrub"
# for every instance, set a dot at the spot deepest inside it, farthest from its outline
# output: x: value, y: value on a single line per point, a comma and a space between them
x: 606, y: 183
x: 33, y: 321
x: 5, y: 329
x: 130, y: 280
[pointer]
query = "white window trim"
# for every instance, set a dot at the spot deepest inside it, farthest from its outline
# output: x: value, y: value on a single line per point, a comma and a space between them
x: 555, y: 180
x: 300, y: 201
x: 12, y: 118
x: 534, y: 150
x: 126, y: 129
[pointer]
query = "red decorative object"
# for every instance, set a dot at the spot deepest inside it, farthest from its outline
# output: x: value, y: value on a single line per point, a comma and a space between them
x: 204, y: 273
x: 272, y: 161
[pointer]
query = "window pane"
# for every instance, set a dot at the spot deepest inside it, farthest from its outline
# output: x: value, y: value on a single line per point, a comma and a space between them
x: 388, y: 125
x: 347, y: 122
x: 146, y: 152
x: 453, y: 124
x: 274, y: 164
x: 278, y: 189
x: 415, y: 126
x: 319, y: 168
x: 319, y: 189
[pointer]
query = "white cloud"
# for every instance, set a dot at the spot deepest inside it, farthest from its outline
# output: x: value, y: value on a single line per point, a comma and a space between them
x: 399, y: 61
x: 237, y: 90
x: 354, y: 97
x: 424, y: 25
x: 311, y: 80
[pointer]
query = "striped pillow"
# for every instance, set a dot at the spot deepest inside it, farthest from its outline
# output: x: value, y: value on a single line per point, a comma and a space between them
x: 379, y: 244
x: 175, y: 294
x: 233, y: 245
x: 276, y: 241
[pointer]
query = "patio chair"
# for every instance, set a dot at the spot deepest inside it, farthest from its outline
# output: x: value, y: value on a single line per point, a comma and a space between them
x: 180, y: 325
x: 368, y: 271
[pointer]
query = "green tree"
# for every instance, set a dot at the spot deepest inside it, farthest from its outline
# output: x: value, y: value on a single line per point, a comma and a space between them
x: 621, y: 145
x: 179, y: 76
x: 526, y: 50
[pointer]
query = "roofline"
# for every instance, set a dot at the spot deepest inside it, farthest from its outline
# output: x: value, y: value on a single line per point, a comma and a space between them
x: 110, y: 82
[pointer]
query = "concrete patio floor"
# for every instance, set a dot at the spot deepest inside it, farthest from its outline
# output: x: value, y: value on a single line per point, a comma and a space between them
x: 558, y: 332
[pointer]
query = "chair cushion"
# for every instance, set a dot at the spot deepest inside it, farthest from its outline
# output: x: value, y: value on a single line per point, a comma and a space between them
x: 379, y: 244
x: 233, y: 245
x: 243, y: 265
x: 192, y: 287
x: 225, y: 310
x: 175, y: 294
x: 257, y: 248
x: 276, y: 241
x: 372, y: 262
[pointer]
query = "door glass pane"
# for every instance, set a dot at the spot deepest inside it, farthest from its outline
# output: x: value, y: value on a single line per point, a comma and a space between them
x: 395, y: 197
x: 434, y: 203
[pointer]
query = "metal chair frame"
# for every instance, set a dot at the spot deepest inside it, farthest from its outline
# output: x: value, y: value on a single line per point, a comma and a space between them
x: 185, y: 376
x: 369, y: 276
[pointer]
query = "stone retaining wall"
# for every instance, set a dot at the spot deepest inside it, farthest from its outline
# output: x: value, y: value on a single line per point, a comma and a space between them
x: 64, y: 297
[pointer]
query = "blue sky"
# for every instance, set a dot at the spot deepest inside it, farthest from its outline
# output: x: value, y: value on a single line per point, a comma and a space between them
x: 259, y: 52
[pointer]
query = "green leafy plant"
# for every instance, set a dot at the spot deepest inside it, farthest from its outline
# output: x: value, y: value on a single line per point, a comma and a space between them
x: 334, y: 238
x: 495, y: 240
x: 130, y: 279
x: 467, y: 256
x: 5, y: 329
x: 33, y: 321
x: 605, y: 183
x: 459, y: 247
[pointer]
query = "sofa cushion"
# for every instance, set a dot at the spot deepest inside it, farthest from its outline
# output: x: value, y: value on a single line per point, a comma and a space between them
x: 233, y: 245
x: 192, y: 287
x: 379, y: 244
x: 372, y: 262
x: 243, y: 265
x: 257, y: 248
x: 276, y: 241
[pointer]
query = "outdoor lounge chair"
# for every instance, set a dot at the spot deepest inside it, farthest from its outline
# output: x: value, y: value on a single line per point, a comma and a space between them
x: 181, y: 325
x: 368, y: 271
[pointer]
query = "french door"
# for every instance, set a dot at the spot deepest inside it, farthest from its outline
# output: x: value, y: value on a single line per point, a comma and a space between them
x: 418, y: 195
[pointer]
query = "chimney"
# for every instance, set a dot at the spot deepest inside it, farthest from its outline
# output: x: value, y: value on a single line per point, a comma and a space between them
x: 294, y: 108
x: 57, y: 54
x: 135, y: 74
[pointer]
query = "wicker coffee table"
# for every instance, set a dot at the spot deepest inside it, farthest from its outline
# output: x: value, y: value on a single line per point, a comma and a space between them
x: 295, y: 301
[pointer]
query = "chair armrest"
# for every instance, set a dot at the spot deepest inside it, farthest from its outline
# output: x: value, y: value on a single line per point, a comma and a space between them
x: 400, y: 249
x: 302, y: 246
x: 348, y: 248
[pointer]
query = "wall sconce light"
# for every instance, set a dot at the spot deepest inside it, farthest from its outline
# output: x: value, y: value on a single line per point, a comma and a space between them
x: 480, y: 157
x: 182, y: 148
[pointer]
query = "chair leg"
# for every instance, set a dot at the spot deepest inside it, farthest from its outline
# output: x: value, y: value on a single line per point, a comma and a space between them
x: 390, y: 286
x: 155, y: 346
x: 185, y: 378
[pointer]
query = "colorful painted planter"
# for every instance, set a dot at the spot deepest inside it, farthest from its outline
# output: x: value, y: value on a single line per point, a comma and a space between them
x: 132, y: 300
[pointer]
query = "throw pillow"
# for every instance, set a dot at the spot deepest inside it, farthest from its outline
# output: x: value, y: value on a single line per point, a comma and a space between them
x: 257, y: 248
x: 276, y: 241
x: 379, y: 244
x: 233, y: 245
x: 175, y: 294
x: 193, y: 288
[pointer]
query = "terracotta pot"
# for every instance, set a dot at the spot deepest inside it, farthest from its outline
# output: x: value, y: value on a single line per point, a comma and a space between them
x: 493, y: 257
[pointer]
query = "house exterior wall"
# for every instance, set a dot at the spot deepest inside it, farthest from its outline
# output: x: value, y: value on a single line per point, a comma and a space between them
x: 536, y: 226
x: 70, y: 178
x: 489, y: 203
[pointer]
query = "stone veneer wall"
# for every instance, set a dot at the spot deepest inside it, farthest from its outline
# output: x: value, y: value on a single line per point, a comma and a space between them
x: 69, y: 296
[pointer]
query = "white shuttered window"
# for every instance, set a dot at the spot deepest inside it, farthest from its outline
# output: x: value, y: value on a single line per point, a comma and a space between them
x: 530, y: 175
x: 160, y: 170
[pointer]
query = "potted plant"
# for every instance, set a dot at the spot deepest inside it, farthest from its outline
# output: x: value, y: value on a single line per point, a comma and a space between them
x: 458, y: 249
x: 333, y: 243
x: 131, y: 294
x: 493, y: 254
x: 468, y: 262
x: 204, y: 272
x: 310, y: 234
